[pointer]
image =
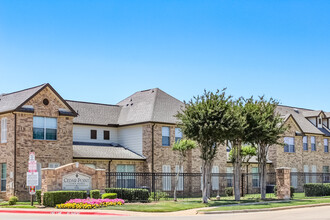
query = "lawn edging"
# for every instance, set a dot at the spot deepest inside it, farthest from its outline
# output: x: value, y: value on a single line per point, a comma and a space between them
x: 263, y: 209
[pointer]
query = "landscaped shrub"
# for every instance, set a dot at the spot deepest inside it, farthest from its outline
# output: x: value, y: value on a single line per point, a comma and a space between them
x: 95, y: 194
x: 291, y: 191
x: 130, y: 195
x: 38, y: 196
x: 159, y: 195
x: 229, y: 191
x: 12, y: 200
x: 53, y: 198
x: 109, y: 196
x: 89, y: 203
x: 317, y: 189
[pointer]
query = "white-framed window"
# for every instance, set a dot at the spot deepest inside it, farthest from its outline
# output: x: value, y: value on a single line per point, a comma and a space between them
x: 289, y: 144
x: 305, y: 143
x: 167, y: 182
x: 320, y: 125
x: 215, y: 178
x: 255, y: 177
x: 3, y: 177
x: 4, y: 130
x: 126, y: 178
x: 326, y: 146
x: 313, y: 144
x: 294, y: 178
x: 306, y: 172
x: 44, y: 128
x: 314, y: 174
x: 165, y: 136
x: 178, y: 134
x: 230, y: 177
x: 53, y: 165
x: 180, y: 183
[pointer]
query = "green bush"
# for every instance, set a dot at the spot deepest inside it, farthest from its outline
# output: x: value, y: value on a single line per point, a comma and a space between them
x: 317, y: 189
x: 109, y: 196
x: 12, y: 200
x: 159, y: 195
x: 53, y: 198
x: 229, y: 191
x: 130, y: 195
x: 291, y: 191
x: 95, y: 194
x: 38, y: 196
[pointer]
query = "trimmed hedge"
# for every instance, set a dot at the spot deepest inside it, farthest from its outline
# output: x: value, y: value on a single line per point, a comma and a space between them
x: 109, y: 196
x: 53, y: 198
x: 38, y: 196
x: 291, y: 191
x: 229, y: 191
x: 130, y: 195
x: 95, y: 194
x: 13, y: 200
x: 317, y: 189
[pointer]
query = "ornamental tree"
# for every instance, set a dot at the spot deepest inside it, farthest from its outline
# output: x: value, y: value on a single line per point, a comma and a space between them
x: 182, y: 147
x: 206, y: 119
x: 266, y: 127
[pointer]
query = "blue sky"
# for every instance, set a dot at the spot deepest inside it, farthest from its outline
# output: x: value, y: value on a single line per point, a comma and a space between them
x: 103, y: 51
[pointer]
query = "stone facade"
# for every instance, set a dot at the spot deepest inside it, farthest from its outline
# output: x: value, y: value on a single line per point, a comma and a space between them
x: 283, y: 183
x: 59, y: 150
x: 299, y: 158
x: 52, y: 178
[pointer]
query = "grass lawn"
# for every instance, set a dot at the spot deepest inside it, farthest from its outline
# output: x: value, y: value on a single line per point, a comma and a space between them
x: 272, y: 205
x: 171, y: 206
x: 24, y: 205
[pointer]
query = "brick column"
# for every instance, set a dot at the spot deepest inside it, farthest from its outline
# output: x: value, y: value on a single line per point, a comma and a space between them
x: 283, y: 182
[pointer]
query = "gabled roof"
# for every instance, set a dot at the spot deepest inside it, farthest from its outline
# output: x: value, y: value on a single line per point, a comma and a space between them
x: 14, y: 101
x: 298, y: 114
x: 309, y: 114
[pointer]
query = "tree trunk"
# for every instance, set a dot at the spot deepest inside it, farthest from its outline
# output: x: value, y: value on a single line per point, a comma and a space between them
x: 209, y: 180
x: 205, y: 176
x: 237, y: 171
x: 262, y: 170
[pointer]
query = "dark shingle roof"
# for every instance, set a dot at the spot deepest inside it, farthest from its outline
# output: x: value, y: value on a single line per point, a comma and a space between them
x: 11, y: 101
x: 103, y: 151
x: 95, y: 113
x: 153, y: 105
x: 298, y: 115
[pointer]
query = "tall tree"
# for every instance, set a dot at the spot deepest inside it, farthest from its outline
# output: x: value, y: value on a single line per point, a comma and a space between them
x: 182, y: 147
x: 205, y: 119
x: 266, y: 127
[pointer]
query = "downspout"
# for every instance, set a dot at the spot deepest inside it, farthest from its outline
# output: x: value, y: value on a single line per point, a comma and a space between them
x: 109, y: 180
x: 152, y: 161
x: 15, y: 146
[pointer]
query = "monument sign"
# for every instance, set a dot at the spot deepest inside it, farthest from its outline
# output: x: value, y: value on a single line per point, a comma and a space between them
x: 76, y: 181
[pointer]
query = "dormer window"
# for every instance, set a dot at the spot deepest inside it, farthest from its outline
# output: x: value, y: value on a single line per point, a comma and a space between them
x: 319, y: 124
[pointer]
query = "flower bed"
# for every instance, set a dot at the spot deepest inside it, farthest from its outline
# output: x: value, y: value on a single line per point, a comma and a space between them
x: 89, y: 203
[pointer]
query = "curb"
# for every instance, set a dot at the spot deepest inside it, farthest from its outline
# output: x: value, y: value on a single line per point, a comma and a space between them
x: 262, y: 210
x: 59, y: 212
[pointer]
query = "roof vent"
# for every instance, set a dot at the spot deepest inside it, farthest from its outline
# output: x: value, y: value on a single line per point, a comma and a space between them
x: 296, y: 110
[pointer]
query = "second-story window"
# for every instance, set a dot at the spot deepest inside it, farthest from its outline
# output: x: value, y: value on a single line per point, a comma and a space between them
x: 289, y: 144
x: 44, y: 128
x: 313, y: 144
x: 166, y: 136
x: 4, y: 130
x: 305, y: 143
x: 106, y: 135
x: 93, y: 134
x: 178, y: 134
x: 326, y: 146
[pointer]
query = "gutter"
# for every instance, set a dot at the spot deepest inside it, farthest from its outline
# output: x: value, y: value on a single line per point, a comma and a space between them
x: 15, y: 146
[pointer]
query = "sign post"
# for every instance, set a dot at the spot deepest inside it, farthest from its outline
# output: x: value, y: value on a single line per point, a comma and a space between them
x: 32, y: 175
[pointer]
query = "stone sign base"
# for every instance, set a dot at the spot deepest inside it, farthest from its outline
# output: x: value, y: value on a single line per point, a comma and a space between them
x: 73, y: 176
